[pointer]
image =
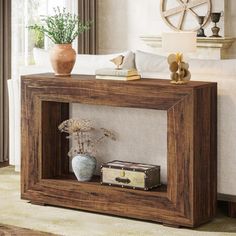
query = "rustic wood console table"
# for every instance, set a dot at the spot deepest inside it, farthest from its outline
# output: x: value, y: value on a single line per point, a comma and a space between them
x: 189, y: 199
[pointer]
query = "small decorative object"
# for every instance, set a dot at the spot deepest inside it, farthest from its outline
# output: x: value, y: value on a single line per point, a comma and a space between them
x: 130, y: 175
x: 179, y: 69
x: 84, y: 162
x: 175, y: 16
x: 215, y: 18
x: 200, y: 32
x: 62, y: 28
x: 183, y: 42
x: 84, y: 167
x: 118, y: 61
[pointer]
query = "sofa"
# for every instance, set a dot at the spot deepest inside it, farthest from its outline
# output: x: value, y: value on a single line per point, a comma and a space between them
x: 136, y: 122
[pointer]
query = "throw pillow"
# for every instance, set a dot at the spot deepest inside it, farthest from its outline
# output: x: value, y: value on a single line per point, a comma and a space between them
x: 149, y: 62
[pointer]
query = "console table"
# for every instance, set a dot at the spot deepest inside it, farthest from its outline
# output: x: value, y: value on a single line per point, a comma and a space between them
x: 188, y: 199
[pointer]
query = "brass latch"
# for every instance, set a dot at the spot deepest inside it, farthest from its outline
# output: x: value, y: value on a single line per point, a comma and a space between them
x: 122, y: 173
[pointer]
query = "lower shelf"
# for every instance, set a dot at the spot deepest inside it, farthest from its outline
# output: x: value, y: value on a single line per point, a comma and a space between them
x: 96, y: 183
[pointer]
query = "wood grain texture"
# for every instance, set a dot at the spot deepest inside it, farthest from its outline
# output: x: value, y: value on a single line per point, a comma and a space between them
x: 189, y: 199
x: 55, y: 146
x: 232, y: 209
x: 226, y: 197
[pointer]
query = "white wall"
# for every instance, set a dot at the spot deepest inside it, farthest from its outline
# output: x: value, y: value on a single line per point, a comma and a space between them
x: 141, y: 134
x: 121, y: 22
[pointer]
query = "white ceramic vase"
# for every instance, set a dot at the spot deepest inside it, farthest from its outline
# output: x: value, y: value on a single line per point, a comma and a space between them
x: 84, y: 167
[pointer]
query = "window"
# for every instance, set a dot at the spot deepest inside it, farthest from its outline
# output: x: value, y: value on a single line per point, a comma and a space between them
x: 25, y: 13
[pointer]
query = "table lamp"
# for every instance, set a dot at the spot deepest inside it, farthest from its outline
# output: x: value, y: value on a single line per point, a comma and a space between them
x: 179, y: 43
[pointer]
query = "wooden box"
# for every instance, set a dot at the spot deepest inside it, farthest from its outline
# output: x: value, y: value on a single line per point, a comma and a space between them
x: 130, y: 175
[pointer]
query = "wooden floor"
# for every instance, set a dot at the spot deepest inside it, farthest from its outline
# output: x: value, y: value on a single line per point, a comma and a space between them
x: 16, y: 231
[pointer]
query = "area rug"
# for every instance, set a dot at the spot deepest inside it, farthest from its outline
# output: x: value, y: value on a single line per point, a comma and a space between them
x: 7, y: 230
x: 66, y: 222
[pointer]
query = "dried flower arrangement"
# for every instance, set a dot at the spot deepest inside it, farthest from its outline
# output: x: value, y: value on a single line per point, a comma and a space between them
x: 81, y: 131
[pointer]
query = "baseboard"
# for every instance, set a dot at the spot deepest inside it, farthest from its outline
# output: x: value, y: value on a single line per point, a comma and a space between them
x: 226, y: 197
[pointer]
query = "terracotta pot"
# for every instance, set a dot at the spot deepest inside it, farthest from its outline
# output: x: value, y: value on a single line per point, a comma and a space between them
x: 63, y: 58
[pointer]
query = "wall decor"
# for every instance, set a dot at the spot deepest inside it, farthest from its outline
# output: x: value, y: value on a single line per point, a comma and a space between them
x: 201, y: 32
x: 215, y: 18
x: 176, y: 16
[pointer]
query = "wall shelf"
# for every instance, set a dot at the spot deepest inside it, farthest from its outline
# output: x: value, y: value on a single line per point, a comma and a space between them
x: 208, y: 48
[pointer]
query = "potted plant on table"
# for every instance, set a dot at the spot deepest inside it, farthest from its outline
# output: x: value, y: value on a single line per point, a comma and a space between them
x: 62, y: 28
x: 86, y: 139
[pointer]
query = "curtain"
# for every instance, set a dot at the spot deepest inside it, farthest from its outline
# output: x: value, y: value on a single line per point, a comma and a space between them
x: 87, y: 10
x: 5, y: 74
x: 23, y: 57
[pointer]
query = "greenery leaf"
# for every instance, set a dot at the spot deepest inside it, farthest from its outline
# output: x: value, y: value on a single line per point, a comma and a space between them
x: 62, y: 28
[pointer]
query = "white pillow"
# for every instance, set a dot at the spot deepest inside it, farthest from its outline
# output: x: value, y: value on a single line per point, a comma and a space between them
x: 88, y: 64
x: 148, y: 62
x: 41, y: 57
x: 213, y: 67
x: 35, y: 69
x: 154, y: 75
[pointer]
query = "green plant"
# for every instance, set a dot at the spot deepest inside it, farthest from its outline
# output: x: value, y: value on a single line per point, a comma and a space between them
x: 62, y: 28
x: 38, y: 39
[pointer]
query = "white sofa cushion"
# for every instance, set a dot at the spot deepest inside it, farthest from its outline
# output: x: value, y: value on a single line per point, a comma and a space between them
x: 41, y: 57
x: 88, y: 64
x: 85, y: 64
x: 213, y: 67
x: 147, y: 63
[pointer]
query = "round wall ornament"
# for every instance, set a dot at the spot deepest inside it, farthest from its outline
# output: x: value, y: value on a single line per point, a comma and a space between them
x: 184, y: 15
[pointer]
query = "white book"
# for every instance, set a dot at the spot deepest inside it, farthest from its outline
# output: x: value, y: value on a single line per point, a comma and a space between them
x: 123, y: 78
x: 116, y: 72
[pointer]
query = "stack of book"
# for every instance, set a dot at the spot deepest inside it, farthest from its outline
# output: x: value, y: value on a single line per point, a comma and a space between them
x: 116, y: 74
